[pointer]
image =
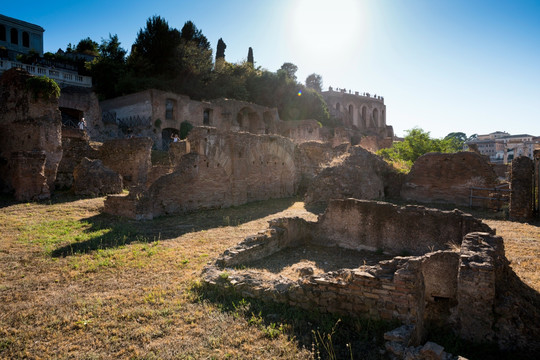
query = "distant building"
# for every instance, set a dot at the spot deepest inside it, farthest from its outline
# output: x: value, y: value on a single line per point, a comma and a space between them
x: 501, y: 147
x: 19, y: 37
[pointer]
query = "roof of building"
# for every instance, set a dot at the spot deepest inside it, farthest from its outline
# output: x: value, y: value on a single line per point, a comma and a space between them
x: 7, y: 19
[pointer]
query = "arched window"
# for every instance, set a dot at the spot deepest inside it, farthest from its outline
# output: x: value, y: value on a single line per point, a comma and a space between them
x: 14, y: 36
x: 338, y: 107
x: 2, y: 33
x: 25, y: 39
x: 376, y: 117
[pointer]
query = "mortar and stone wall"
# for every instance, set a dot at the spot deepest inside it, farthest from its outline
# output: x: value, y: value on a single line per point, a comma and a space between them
x: 457, y: 287
x: 447, y: 178
x: 131, y: 158
x: 359, y: 174
x: 30, y: 145
x: 522, y: 184
x: 222, y: 169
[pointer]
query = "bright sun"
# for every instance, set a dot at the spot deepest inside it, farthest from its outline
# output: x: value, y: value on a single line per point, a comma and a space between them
x: 321, y: 24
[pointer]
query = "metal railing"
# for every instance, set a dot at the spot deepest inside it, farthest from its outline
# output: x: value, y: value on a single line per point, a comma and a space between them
x: 498, y: 194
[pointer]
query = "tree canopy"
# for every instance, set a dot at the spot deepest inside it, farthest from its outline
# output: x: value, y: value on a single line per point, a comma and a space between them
x: 165, y: 58
x: 314, y: 81
x: 290, y: 70
x: 418, y: 142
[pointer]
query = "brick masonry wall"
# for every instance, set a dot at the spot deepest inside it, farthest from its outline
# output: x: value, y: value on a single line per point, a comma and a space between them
x: 521, y: 184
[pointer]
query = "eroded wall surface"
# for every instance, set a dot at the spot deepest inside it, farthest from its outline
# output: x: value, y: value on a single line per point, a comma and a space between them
x: 223, y: 169
x: 359, y: 174
x: 468, y: 288
x: 30, y: 124
x: 447, y: 178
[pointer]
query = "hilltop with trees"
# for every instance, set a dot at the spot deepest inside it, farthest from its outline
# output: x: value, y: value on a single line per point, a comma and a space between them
x: 182, y: 61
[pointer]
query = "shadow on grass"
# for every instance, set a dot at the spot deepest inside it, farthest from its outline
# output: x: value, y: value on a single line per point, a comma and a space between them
x: 332, y: 336
x: 122, y: 231
x: 58, y: 197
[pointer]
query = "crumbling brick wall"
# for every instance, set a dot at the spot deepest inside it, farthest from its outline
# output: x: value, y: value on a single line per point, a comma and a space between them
x: 447, y: 178
x: 223, y: 169
x: 75, y: 147
x: 359, y: 174
x: 131, y: 158
x: 521, y: 184
x: 461, y: 287
x: 29, y: 123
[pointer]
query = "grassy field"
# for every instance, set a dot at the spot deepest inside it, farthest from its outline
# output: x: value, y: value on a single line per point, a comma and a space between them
x: 78, y: 284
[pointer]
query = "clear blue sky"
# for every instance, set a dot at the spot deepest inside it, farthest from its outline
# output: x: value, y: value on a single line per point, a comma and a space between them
x: 460, y: 65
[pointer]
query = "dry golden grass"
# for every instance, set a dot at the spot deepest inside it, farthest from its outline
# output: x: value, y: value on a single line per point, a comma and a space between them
x: 75, y: 283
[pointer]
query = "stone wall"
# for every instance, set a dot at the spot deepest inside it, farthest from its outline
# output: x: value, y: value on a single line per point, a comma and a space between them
x: 155, y: 114
x: 464, y: 288
x: 131, y: 158
x: 75, y: 147
x: 447, y: 178
x: 521, y: 184
x: 301, y: 130
x: 223, y: 169
x: 29, y: 124
x: 86, y: 102
x: 363, y: 224
x: 311, y: 157
x: 359, y: 174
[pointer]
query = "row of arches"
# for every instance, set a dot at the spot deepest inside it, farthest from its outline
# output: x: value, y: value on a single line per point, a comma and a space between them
x: 249, y: 120
x: 364, y: 118
x: 14, y: 36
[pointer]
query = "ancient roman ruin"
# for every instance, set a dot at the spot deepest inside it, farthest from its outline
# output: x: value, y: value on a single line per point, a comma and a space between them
x: 416, y: 265
x: 443, y: 268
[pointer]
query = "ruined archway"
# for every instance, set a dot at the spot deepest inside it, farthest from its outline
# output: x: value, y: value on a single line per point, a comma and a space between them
x: 248, y: 120
x: 70, y: 116
x: 268, y: 120
x: 166, y: 137
x: 353, y: 119
x: 364, y: 119
x: 375, y: 117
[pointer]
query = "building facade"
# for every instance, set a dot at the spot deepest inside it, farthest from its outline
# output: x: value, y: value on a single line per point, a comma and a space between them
x: 20, y: 37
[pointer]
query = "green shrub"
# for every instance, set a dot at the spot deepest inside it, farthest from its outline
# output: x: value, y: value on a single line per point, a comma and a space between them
x: 42, y: 86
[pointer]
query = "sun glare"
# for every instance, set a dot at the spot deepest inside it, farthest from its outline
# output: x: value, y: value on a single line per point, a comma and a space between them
x: 320, y: 24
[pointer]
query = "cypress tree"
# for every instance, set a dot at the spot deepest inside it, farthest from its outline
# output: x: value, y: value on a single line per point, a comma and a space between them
x: 220, y: 50
x: 250, y: 56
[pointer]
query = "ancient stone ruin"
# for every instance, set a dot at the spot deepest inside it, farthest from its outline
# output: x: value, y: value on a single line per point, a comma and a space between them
x: 443, y: 268
x: 447, y: 178
x: 30, y: 145
x: 359, y: 174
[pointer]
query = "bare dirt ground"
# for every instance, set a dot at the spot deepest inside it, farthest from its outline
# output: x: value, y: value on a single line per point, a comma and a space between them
x: 291, y: 262
x: 78, y: 284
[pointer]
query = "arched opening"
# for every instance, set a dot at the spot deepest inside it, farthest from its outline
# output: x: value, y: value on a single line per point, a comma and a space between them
x: 338, y: 106
x: 364, y: 118
x: 170, y: 104
x: 375, y: 117
x: 351, y: 115
x: 2, y: 33
x: 14, y: 36
x: 25, y: 39
x: 248, y: 120
x: 70, y: 117
x: 166, y: 137
x: 267, y: 119
x: 207, y: 116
